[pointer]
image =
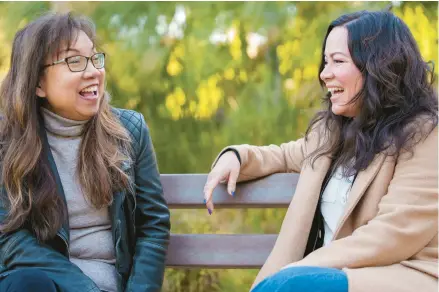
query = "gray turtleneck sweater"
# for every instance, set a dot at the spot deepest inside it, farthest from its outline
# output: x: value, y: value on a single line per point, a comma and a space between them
x: 91, y: 244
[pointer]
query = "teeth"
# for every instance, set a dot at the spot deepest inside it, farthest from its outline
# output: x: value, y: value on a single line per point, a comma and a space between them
x: 90, y: 89
x: 333, y: 90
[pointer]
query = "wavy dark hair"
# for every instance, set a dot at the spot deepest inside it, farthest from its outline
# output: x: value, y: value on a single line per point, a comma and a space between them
x: 398, y: 90
x: 30, y: 188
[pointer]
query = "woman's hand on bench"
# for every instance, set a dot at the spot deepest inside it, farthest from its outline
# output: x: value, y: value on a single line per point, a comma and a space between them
x: 226, y: 170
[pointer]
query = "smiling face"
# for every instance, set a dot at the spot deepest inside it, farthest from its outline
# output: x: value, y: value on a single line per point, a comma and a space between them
x: 73, y: 95
x: 340, y: 75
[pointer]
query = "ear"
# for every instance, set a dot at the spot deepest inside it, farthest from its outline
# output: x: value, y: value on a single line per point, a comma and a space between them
x: 40, y: 90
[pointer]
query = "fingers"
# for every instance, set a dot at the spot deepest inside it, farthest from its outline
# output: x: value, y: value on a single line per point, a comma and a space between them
x: 231, y: 185
x: 226, y: 170
x: 212, y: 182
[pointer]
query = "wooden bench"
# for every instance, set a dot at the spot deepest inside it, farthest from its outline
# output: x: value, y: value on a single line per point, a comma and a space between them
x: 185, y: 191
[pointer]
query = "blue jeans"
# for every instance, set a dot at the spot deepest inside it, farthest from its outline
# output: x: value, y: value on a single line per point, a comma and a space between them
x: 305, y: 279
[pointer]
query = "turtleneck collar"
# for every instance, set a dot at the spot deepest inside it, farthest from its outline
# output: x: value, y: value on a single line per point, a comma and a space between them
x: 60, y: 126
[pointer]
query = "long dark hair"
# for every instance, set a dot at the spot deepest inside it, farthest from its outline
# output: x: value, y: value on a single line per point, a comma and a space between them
x: 31, y: 191
x: 397, y: 97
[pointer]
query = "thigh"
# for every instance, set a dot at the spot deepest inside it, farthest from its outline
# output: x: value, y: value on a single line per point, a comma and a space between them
x: 27, y: 280
x: 305, y: 279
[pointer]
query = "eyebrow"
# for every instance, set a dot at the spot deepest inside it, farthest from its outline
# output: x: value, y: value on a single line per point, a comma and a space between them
x: 69, y: 49
x: 332, y: 54
x: 74, y: 50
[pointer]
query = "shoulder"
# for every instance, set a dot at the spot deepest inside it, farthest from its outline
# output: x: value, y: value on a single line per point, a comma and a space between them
x: 133, y: 121
x: 421, y: 130
x: 421, y: 144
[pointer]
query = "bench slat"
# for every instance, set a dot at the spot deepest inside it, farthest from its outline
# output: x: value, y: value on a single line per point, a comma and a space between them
x: 185, y: 191
x: 224, y: 251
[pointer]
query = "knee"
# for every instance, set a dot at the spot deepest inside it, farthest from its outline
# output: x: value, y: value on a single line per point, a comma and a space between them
x: 28, y: 280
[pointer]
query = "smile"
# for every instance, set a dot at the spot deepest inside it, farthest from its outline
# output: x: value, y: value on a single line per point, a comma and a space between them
x: 89, y: 93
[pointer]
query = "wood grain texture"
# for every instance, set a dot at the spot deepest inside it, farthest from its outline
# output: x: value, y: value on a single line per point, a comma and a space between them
x: 185, y: 191
x: 219, y: 250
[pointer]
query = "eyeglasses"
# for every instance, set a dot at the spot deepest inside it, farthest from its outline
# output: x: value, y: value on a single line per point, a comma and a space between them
x: 79, y: 63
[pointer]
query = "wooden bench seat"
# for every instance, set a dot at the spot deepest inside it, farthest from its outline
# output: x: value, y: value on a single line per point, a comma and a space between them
x: 185, y: 191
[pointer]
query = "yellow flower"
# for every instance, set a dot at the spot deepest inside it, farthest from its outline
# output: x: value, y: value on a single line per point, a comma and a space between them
x: 297, y: 75
x: 180, y: 97
x: 209, y: 96
x: 174, y: 67
x: 235, y: 47
x: 229, y: 74
x: 310, y: 72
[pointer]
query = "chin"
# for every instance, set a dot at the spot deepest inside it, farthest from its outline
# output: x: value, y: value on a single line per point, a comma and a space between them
x: 340, y: 112
x: 89, y: 113
x: 336, y: 110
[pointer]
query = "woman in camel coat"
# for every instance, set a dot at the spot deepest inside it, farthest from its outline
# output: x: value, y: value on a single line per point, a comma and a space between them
x: 364, y: 216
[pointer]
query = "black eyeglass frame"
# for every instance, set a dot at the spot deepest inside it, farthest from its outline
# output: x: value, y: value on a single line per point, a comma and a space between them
x: 86, y: 63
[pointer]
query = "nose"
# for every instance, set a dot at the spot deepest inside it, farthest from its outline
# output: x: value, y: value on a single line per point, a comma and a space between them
x: 326, y: 73
x: 90, y: 71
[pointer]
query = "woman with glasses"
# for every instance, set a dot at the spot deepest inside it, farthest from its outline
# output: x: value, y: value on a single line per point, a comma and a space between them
x: 364, y: 216
x: 82, y: 206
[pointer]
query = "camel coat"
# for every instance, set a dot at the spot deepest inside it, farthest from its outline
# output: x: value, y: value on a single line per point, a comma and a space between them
x: 387, y: 238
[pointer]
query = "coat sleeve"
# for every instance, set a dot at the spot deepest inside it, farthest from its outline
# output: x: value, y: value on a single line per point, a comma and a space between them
x: 260, y: 161
x: 152, y: 220
x: 21, y: 250
x: 407, y: 216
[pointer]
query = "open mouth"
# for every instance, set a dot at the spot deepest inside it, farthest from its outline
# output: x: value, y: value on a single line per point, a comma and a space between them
x: 335, y: 91
x: 90, y: 92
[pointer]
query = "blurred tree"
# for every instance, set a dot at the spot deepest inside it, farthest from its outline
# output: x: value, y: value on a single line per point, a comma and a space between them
x: 211, y: 74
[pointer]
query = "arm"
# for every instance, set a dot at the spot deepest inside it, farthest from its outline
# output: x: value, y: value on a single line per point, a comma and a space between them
x: 407, y: 216
x: 20, y: 249
x: 152, y: 220
x: 259, y: 161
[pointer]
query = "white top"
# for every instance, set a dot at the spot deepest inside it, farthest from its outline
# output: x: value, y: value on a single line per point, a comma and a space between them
x: 334, y: 200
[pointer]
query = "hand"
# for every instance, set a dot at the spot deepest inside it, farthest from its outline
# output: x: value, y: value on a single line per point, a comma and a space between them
x: 226, y: 170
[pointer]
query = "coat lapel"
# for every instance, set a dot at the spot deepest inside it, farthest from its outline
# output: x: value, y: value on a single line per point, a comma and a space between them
x: 60, y: 190
x: 362, y: 182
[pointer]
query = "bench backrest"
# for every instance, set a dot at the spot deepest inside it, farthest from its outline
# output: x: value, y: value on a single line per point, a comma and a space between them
x: 185, y: 191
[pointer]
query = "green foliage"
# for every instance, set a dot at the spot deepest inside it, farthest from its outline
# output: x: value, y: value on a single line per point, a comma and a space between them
x: 199, y: 95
